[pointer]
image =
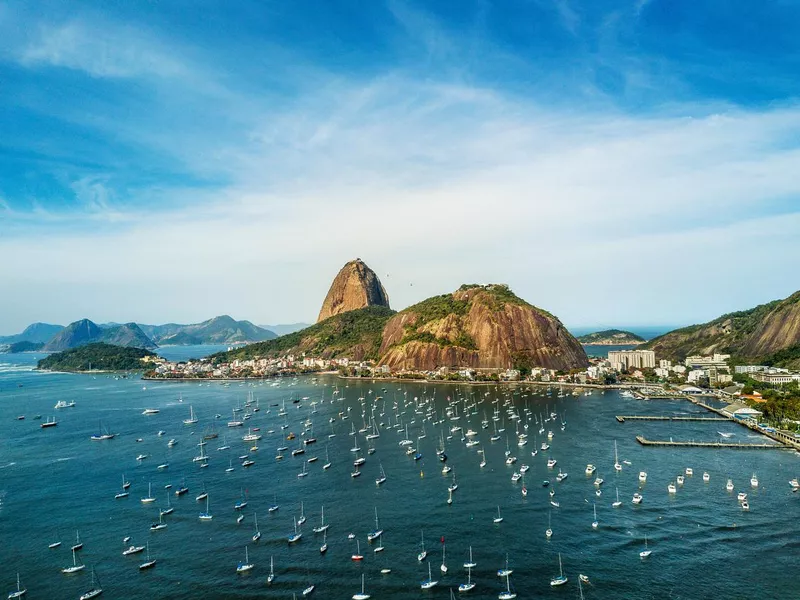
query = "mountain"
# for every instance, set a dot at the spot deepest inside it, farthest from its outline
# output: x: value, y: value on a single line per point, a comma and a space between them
x: 476, y: 326
x: 355, y: 286
x: 219, y: 330
x: 758, y: 334
x: 85, y: 332
x: 24, y: 346
x: 285, y: 328
x: 611, y: 337
x: 355, y: 334
x: 97, y: 356
x: 479, y: 326
x: 36, y: 333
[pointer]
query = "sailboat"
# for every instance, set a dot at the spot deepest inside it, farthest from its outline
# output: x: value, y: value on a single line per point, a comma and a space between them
x: 617, y: 466
x: 124, y: 492
x: 357, y: 556
x: 56, y: 544
x: 169, y: 510
x: 465, y: 587
x: 508, y: 594
x: 471, y: 564
x: 322, y: 527
x: 75, y: 566
x: 324, y: 548
x: 206, y: 516
x: 498, y: 518
x: 423, y: 553
x: 257, y: 533
x: 618, y: 503
x: 505, y: 571
x: 295, y: 537
x: 381, y: 478
x: 160, y: 525
x: 443, y: 567
x: 429, y: 582
x: 595, y: 523
x: 362, y: 595
x: 78, y: 543
x: 94, y: 591
x: 192, y: 419
x: 302, y: 518
x: 149, y: 497
x: 242, y: 567
x: 149, y: 563
x: 271, y: 576
x: 646, y: 552
x: 20, y: 591
x: 377, y: 531
x: 561, y: 579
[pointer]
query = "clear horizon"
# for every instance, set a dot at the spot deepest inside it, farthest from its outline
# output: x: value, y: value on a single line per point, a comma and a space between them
x: 611, y: 162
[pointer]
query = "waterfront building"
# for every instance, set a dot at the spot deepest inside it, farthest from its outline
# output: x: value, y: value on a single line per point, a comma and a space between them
x: 628, y: 359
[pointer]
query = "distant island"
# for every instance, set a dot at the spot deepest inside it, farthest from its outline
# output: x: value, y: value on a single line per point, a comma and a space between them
x: 611, y: 337
x: 98, y: 357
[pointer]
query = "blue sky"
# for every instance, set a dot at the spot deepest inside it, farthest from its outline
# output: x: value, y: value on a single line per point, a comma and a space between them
x: 618, y: 163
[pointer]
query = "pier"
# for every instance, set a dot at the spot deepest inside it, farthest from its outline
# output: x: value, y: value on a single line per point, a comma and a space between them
x: 623, y: 418
x: 645, y: 442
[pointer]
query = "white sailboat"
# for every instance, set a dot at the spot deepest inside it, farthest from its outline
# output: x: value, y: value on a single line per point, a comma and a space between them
x: 20, y: 591
x: 595, y: 524
x: 498, y: 518
x: 549, y: 531
x: 324, y: 547
x: 295, y: 537
x: 271, y: 576
x: 149, y: 563
x: 560, y: 579
x: 470, y: 564
x: 377, y: 531
x: 508, y: 594
x: 257, y: 532
x: 469, y: 585
x: 93, y: 591
x: 429, y: 582
x: 443, y: 567
x: 206, y: 516
x: 618, y: 502
x: 322, y: 526
x: 362, y: 595
x: 75, y: 567
x: 149, y: 497
x: 192, y: 419
x: 423, y: 553
x: 245, y: 566
x: 381, y: 478
x: 646, y: 552
x: 617, y: 466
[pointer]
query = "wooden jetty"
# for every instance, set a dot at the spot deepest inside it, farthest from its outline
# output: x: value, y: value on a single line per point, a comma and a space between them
x: 623, y: 418
x: 645, y: 442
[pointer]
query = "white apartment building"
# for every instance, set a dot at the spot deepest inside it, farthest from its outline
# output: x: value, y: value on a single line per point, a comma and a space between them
x: 638, y: 359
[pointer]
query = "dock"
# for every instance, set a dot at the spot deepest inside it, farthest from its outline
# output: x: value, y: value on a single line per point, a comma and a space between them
x: 623, y: 418
x: 645, y: 442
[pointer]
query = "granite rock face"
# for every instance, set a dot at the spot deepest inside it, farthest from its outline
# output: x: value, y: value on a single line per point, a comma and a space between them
x: 480, y: 327
x: 355, y: 286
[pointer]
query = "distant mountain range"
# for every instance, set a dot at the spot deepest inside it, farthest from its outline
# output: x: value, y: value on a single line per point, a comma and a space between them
x: 85, y: 332
x: 55, y: 338
x: 37, y: 333
x: 219, y: 330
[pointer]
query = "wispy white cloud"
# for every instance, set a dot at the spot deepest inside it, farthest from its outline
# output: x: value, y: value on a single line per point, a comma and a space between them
x: 98, y: 48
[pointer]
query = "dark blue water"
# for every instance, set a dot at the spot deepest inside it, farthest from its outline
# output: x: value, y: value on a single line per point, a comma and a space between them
x: 57, y: 480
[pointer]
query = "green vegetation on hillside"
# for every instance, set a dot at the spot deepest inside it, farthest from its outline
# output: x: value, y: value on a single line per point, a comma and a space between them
x: 100, y: 356
x: 609, y: 336
x: 725, y: 334
x: 333, y: 337
x: 788, y: 358
x: 25, y: 347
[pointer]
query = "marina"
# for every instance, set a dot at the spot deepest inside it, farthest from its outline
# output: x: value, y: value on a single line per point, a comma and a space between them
x: 483, y: 515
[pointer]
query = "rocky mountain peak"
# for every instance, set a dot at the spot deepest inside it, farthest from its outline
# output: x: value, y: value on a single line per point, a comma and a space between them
x: 355, y: 286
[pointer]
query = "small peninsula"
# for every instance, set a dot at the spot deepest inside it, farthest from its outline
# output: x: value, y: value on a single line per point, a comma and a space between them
x: 98, y: 357
x: 611, y: 337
